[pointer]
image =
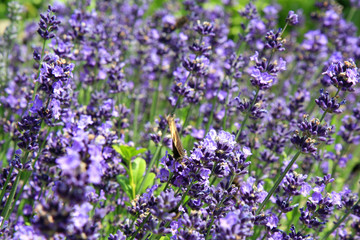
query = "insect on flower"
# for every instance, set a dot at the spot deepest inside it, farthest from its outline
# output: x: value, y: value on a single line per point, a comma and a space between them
x: 178, y: 149
x: 181, y: 21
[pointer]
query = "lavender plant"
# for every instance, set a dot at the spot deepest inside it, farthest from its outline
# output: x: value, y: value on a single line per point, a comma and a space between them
x: 265, y: 108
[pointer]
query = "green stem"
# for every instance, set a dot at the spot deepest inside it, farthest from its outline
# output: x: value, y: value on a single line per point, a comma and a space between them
x: 38, y: 76
x: 211, y: 117
x: 286, y: 24
x: 182, y: 199
x: 247, y: 115
x: 133, y: 221
x: 131, y: 180
x: 211, y: 174
x: 28, y: 173
x: 269, y: 60
x: 264, y: 235
x: 213, y: 181
x: 185, y: 194
x: 217, y: 206
x: 351, y: 14
x: 136, y: 114
x: 209, y: 229
x: 6, y: 212
x: 278, y: 181
x: 140, y: 227
x: 40, y: 63
x: 152, y: 234
x: 226, y: 103
x: 187, y: 117
x: 154, y: 101
x: 168, y: 182
x: 340, y: 221
x: 6, y: 183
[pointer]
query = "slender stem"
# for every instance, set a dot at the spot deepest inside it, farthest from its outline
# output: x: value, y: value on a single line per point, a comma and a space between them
x: 136, y: 123
x: 351, y: 14
x: 182, y: 199
x: 146, y: 236
x: 187, y: 117
x: 140, y: 227
x: 28, y: 173
x: 27, y: 176
x: 185, y: 194
x: 217, y: 206
x: 213, y: 180
x: 340, y: 221
x: 247, y: 115
x: 278, y: 181
x: 40, y: 63
x: 154, y: 101
x: 38, y: 76
x: 211, y: 174
x: 211, y: 117
x: 41, y: 191
x: 283, y: 30
x: 269, y: 60
x: 6, y: 212
x: 265, y: 235
x: 209, y: 229
x: 168, y: 182
x: 131, y: 179
x: 227, y: 100
x: 6, y: 183
x: 133, y: 221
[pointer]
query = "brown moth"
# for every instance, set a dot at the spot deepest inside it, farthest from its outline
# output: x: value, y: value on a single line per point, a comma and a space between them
x: 181, y: 21
x: 178, y: 149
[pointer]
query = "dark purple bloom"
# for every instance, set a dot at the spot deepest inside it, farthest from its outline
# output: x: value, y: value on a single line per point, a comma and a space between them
x: 274, y: 40
x: 304, y: 143
x: 343, y: 75
x: 292, y: 182
x: 329, y: 104
x: 349, y: 130
x: 204, y: 29
x: 292, y: 18
x: 284, y: 205
x: 314, y: 129
x: 48, y: 24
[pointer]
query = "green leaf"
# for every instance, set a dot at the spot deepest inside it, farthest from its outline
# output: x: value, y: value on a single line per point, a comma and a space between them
x: 164, y: 238
x: 125, y: 185
x: 128, y: 152
x: 149, y: 181
x: 139, y: 167
x: 135, y: 151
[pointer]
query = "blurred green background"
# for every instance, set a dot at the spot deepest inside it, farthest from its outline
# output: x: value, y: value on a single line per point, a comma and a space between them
x: 32, y: 6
